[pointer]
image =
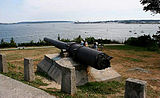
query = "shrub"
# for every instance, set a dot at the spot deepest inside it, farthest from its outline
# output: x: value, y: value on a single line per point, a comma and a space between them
x: 90, y: 40
x: 157, y: 37
x: 143, y: 41
x: 78, y: 39
x: 4, y: 44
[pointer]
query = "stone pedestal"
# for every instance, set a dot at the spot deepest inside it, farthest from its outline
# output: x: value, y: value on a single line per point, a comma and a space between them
x: 135, y: 88
x: 3, y: 64
x: 68, y: 73
x: 28, y: 70
x: 68, y: 83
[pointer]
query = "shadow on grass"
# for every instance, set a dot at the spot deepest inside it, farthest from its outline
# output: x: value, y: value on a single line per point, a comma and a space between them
x: 102, y: 87
x: 43, y: 74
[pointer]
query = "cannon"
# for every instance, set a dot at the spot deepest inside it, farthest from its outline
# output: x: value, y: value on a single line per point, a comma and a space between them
x: 84, y: 55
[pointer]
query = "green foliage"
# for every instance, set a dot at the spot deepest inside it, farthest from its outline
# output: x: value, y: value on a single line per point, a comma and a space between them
x: 126, y: 47
x: 20, y: 77
x: 59, y: 37
x: 12, y: 66
x: 90, y: 40
x: 12, y: 43
x: 105, y: 41
x: 4, y: 44
x: 38, y: 82
x: 143, y: 41
x: 32, y: 43
x: 133, y: 59
x: 151, y: 5
x: 15, y: 75
x: 157, y: 37
x: 2, y: 41
x: 92, y: 90
x: 78, y: 39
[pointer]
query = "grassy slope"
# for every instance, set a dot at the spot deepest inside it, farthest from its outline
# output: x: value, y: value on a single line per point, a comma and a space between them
x: 129, y: 57
x: 125, y: 58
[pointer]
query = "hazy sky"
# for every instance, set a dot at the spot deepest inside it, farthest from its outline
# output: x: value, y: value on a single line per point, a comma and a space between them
x: 74, y: 10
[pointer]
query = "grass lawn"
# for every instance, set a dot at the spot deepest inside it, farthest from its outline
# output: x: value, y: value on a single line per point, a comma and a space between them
x: 126, y: 58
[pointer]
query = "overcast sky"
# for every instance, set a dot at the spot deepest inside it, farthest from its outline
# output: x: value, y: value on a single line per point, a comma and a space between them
x: 72, y: 10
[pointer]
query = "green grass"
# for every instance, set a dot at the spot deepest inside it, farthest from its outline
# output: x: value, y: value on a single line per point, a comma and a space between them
x: 12, y: 66
x: 14, y: 56
x: 101, y: 87
x: 20, y: 77
x: 92, y: 90
x: 37, y: 83
x: 36, y: 59
x: 152, y: 93
x: 144, y: 56
x: 127, y: 47
x: 133, y: 59
x: 15, y: 75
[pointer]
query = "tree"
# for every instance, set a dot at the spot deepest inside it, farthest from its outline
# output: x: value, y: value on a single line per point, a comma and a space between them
x: 157, y: 37
x: 12, y: 43
x: 12, y: 40
x: 2, y: 41
x: 151, y: 5
x: 59, y: 37
x: 78, y: 39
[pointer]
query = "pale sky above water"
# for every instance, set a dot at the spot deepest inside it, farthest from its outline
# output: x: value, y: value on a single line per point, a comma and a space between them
x: 72, y: 10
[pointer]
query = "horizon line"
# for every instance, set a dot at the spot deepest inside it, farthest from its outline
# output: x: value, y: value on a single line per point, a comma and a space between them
x: 73, y: 21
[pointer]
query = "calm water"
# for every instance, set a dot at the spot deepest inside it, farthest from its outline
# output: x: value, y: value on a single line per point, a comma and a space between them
x: 120, y: 32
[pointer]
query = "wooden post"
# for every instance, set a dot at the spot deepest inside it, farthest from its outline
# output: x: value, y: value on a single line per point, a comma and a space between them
x: 3, y: 64
x: 28, y: 70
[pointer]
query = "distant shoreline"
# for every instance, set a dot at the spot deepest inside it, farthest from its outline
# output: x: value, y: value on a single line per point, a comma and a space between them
x: 37, y: 22
x: 123, y: 22
x: 95, y: 22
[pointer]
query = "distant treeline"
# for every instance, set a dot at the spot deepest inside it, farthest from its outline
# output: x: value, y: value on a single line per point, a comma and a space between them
x: 124, y: 21
x: 78, y: 39
x: 91, y: 40
x: 12, y: 43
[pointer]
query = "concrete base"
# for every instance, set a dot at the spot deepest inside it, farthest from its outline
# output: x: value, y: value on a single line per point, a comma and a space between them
x: 10, y: 88
x: 107, y: 74
x: 53, y: 63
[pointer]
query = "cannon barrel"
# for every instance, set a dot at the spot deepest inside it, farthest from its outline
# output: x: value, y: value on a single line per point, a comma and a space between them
x: 84, y: 55
x: 56, y: 43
